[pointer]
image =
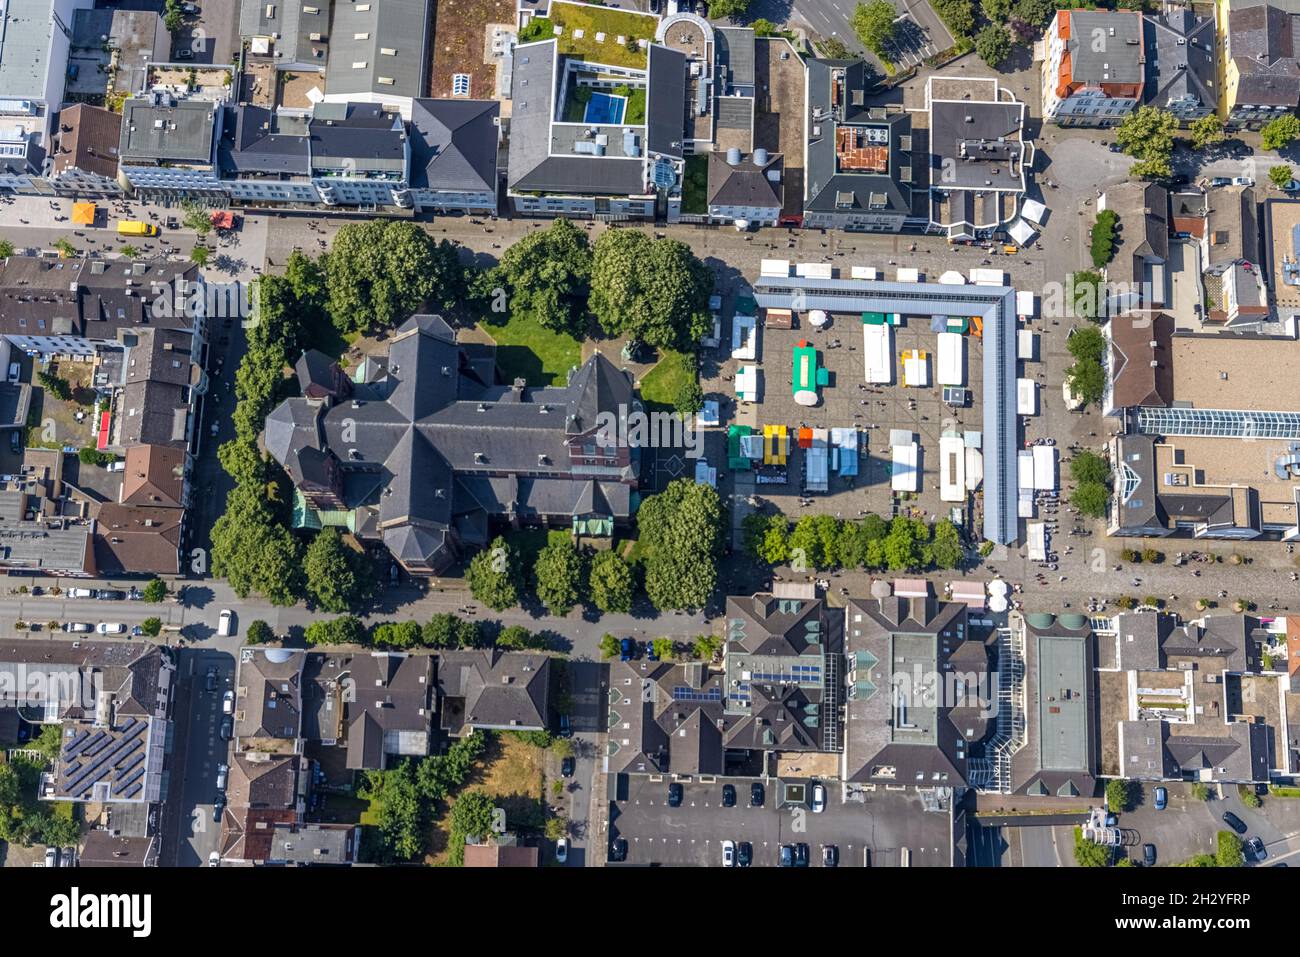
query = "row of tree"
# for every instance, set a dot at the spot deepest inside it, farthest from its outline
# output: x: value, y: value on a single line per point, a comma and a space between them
x: 819, y: 542
x: 443, y: 631
x: 652, y: 290
x: 1091, y: 476
x: 1087, y: 375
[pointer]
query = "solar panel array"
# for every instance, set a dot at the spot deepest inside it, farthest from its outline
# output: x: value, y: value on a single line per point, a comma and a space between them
x: 683, y: 693
x: 113, y: 756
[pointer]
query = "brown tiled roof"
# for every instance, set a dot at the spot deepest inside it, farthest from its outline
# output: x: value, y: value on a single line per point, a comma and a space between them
x: 491, y: 855
x: 1136, y: 382
x: 139, y: 539
x: 90, y: 143
x: 153, y: 476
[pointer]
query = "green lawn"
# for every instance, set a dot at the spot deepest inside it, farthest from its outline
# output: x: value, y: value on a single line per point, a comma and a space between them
x: 659, y: 386
x: 695, y: 187
x: 539, y: 356
x: 613, y: 23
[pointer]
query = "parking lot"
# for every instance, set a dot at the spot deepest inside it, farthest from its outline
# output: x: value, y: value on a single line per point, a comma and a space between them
x: 872, y: 831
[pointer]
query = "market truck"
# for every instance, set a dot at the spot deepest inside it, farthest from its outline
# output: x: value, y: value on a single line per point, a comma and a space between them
x: 133, y: 227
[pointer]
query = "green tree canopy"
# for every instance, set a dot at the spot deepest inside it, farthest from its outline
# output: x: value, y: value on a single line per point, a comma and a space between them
x: 1148, y: 134
x: 993, y: 44
x: 1280, y: 175
x: 609, y: 582
x: 945, y: 547
x: 1207, y: 131
x: 494, y: 576
x: 558, y: 572
x: 1089, y: 467
x: 873, y: 22
x: 258, y: 632
x: 346, y: 630
x: 652, y: 290
x: 681, y: 535
x: 155, y: 590
x: 1280, y: 132
x: 337, y: 577
x: 1091, y: 498
x: 380, y: 271
x: 547, y: 276
x: 731, y: 9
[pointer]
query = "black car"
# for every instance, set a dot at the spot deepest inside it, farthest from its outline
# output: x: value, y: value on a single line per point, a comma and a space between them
x: 111, y: 594
x: 1149, y: 855
x: 728, y: 795
x: 1116, y: 148
x: 756, y: 794
x: 801, y: 855
x: 744, y: 854
x: 787, y: 856
x: 1234, y: 822
x: 830, y: 855
x: 227, y: 728
x: 618, y: 849
x: 1255, y: 849
x: 210, y: 680
x: 218, y: 805
x: 674, y: 795
x: 566, y: 767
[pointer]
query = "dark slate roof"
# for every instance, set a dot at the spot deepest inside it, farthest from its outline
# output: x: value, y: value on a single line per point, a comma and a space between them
x: 449, y: 449
x: 746, y: 184
x: 494, y: 689
x: 666, y: 101
x: 1180, y: 57
x: 268, y: 697
x: 454, y: 144
x: 530, y: 165
x: 1263, y: 43
x: 369, y: 134
x: 256, y: 140
x: 823, y: 183
x: 976, y: 141
x: 735, y: 56
x: 167, y: 129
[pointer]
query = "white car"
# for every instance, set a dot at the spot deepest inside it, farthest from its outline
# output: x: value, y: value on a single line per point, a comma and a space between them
x: 228, y: 703
x: 226, y: 623
x: 111, y: 628
x: 75, y: 626
x: 561, y: 850
x: 214, y: 859
x: 80, y: 593
x: 1242, y: 181
x: 728, y: 853
x: 818, y: 798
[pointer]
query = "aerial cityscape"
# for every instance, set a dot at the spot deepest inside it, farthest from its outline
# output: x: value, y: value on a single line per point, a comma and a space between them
x: 540, y: 433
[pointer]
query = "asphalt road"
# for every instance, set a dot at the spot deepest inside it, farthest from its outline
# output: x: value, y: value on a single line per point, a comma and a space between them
x: 190, y: 833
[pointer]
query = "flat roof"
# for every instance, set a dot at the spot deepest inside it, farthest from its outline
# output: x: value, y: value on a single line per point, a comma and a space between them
x: 26, y: 35
x: 1062, y: 703
x: 1236, y: 372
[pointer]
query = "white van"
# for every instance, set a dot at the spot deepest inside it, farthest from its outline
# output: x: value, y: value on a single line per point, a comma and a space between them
x: 15, y: 370
x: 81, y: 593
x: 226, y: 623
x: 221, y: 776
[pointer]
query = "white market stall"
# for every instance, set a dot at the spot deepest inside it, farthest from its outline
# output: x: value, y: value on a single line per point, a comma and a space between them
x: 878, y: 353
x: 747, y: 384
x: 1026, y: 397
x: 903, y: 474
x: 744, y: 338
x: 952, y: 359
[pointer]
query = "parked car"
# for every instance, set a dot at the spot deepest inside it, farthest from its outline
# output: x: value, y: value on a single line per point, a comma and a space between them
x: 1242, y: 181
x: 561, y: 850
x: 567, y: 766
x: 81, y: 593
x: 756, y: 794
x: 650, y: 651
x: 1149, y: 855
x: 226, y: 623
x: 787, y: 856
x: 728, y: 853
x: 801, y: 855
x: 565, y: 730
x: 210, y: 679
x: 1221, y: 181
x: 51, y: 857
x: 830, y: 855
x: 223, y: 772
x: 227, y: 728
x: 618, y: 849
x: 1256, y: 850
x: 818, y: 797
x: 214, y: 859
x: 1234, y: 822
x: 1116, y: 148
x: 110, y: 594
x: 68, y: 857
x: 1162, y: 799
x: 626, y: 649
x: 744, y: 854
x: 728, y: 795
x: 228, y: 703
x: 72, y: 627
x: 111, y: 628
x: 675, y: 795
x: 218, y: 805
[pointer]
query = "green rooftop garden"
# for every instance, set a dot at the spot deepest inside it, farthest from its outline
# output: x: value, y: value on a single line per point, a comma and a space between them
x: 590, y: 20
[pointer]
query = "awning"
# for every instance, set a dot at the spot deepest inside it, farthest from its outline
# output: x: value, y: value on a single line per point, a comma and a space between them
x: 1022, y: 232
x: 83, y: 214
x: 1034, y: 211
x: 223, y: 219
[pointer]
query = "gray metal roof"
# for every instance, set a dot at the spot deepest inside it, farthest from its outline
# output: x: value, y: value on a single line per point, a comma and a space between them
x: 362, y: 137
x: 258, y: 140
x: 294, y: 22
x: 26, y: 39
x: 826, y: 188
x: 1118, y: 59
x: 665, y: 101
x: 995, y: 304
x: 157, y: 129
x: 378, y: 47
x: 735, y: 55
x: 454, y: 144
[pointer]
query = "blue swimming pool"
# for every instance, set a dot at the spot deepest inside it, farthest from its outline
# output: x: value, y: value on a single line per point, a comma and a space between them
x: 604, y: 108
